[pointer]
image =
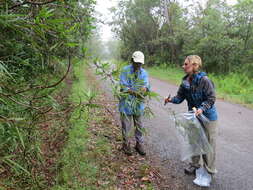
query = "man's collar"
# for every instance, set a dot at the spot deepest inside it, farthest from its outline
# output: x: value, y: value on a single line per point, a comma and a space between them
x: 132, y: 69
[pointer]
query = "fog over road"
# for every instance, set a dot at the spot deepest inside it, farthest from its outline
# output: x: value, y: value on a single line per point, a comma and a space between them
x: 234, y: 142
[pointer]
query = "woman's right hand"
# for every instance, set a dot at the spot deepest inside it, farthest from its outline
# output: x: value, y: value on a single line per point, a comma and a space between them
x: 167, y: 100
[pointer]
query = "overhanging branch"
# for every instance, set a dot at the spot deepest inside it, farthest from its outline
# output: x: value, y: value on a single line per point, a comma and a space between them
x: 32, y: 3
x: 49, y: 86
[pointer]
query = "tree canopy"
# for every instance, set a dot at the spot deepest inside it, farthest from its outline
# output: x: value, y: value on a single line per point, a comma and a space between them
x: 167, y: 31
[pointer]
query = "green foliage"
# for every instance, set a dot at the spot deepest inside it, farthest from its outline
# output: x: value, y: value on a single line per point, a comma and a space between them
x: 133, y: 20
x: 235, y: 87
x: 143, y: 25
x: 38, y: 39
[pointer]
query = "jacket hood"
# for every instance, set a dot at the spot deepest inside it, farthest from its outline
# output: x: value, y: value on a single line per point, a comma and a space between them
x: 196, y: 77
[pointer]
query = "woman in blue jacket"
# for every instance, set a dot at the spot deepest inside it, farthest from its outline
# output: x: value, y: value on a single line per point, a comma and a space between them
x: 198, y: 90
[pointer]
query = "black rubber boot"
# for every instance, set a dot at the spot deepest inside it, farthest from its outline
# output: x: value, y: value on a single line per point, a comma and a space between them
x: 140, y: 149
x: 191, y: 170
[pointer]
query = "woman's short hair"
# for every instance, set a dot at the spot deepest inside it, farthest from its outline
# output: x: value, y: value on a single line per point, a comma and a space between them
x: 195, y: 60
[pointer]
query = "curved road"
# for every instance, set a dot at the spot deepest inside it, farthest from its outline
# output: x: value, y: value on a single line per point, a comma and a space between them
x: 234, y: 143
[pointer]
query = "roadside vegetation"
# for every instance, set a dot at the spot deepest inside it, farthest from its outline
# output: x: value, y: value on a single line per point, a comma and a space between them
x: 232, y: 87
x: 38, y: 44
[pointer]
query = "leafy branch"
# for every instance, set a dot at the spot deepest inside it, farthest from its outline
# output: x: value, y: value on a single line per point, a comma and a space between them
x: 105, y: 70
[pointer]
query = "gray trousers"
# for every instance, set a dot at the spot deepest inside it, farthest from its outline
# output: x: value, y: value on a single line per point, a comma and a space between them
x: 127, y: 122
x: 208, y: 160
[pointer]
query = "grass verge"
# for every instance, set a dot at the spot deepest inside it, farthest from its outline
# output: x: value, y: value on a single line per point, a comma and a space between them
x: 78, y: 163
x: 170, y: 74
x: 233, y: 87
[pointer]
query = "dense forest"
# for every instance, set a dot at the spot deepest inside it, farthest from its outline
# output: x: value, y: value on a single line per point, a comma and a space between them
x: 168, y: 30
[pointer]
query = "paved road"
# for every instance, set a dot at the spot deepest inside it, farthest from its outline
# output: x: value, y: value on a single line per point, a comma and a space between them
x: 234, y: 143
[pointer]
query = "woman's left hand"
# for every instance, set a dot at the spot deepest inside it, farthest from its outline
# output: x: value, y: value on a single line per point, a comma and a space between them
x: 198, y: 112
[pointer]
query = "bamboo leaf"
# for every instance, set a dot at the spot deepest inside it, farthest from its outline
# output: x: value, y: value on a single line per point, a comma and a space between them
x: 15, y: 165
x: 72, y: 44
x: 20, y: 136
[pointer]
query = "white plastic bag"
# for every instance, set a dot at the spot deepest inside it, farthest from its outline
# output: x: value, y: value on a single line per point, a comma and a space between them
x: 203, y: 178
x: 191, y: 135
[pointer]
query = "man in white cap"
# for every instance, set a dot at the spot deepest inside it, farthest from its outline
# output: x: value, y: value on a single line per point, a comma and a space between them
x: 134, y: 83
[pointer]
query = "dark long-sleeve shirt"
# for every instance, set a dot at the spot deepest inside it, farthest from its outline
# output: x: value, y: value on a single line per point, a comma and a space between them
x: 199, y: 93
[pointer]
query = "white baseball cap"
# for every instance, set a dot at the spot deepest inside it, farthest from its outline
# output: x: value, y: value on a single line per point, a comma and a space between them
x: 138, y: 57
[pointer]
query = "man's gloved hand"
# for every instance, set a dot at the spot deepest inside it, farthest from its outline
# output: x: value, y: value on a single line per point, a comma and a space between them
x: 143, y: 89
x: 139, y: 94
x: 131, y: 92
